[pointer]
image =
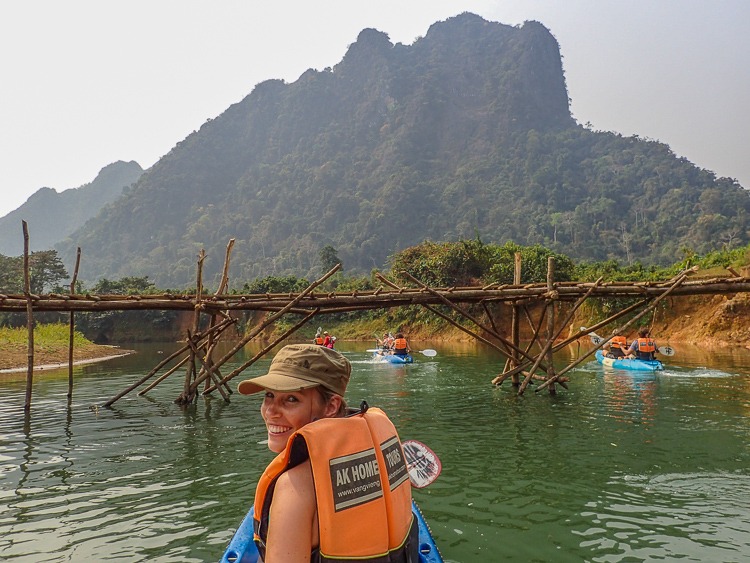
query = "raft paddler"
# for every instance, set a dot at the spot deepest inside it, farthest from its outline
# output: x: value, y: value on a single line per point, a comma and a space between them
x: 644, y: 347
x: 339, y: 488
x: 617, y: 346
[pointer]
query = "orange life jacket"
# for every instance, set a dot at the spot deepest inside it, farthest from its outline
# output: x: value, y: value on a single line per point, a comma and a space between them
x: 319, y: 340
x: 646, y: 349
x: 362, y: 488
x: 400, y: 345
x: 646, y: 345
x: 619, y: 342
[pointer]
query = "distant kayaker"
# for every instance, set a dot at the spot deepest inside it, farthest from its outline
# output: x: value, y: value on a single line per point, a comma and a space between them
x: 616, y: 347
x: 386, y: 344
x: 401, y: 345
x: 339, y: 488
x: 318, y: 338
x: 643, y: 347
x: 327, y: 342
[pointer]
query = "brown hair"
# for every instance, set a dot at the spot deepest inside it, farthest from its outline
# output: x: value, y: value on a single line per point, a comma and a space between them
x: 327, y: 395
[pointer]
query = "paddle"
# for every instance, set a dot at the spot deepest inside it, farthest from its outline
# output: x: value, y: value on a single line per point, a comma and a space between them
x: 663, y: 350
x: 430, y: 353
x: 422, y: 463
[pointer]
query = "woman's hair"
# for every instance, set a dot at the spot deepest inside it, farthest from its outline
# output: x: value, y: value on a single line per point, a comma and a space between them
x: 327, y: 395
x: 643, y: 332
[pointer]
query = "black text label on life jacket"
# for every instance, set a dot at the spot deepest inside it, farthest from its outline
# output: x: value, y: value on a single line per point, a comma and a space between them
x: 355, y: 479
x: 395, y: 462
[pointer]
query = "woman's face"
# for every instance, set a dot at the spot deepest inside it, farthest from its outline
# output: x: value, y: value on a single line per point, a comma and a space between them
x: 284, y: 413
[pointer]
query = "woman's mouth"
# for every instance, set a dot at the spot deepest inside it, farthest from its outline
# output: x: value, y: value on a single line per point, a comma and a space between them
x: 273, y: 429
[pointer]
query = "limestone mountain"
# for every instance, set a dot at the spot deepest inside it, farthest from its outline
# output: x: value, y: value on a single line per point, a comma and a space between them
x: 52, y: 216
x: 466, y: 132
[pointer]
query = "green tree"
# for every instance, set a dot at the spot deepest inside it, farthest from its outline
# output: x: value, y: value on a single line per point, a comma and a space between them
x: 124, y: 286
x: 46, y: 270
x: 11, y: 274
x: 328, y: 258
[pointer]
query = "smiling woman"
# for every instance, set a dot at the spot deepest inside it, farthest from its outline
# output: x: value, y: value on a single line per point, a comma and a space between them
x: 325, y: 493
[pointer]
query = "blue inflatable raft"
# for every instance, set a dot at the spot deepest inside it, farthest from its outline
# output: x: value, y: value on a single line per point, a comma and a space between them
x: 242, y: 548
x: 393, y: 358
x: 636, y: 365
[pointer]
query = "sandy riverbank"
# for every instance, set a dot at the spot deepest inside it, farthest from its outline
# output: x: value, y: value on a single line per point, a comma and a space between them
x: 14, y: 360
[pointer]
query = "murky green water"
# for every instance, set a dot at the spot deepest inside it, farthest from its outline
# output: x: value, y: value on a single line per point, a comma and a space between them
x: 618, y: 468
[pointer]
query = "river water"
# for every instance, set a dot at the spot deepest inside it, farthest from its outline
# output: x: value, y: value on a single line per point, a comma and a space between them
x: 620, y: 467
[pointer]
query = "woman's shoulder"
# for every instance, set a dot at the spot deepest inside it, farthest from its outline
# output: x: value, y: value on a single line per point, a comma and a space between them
x: 297, y: 479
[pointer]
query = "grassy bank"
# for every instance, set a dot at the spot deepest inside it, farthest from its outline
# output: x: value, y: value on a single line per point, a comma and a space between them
x: 50, y: 347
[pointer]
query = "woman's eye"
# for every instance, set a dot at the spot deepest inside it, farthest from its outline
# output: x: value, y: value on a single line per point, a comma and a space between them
x: 269, y: 395
x: 292, y: 399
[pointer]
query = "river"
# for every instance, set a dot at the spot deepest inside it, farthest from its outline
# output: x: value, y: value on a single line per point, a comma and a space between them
x: 617, y: 468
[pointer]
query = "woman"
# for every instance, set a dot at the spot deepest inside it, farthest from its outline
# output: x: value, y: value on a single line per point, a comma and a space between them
x: 401, y: 345
x: 339, y: 488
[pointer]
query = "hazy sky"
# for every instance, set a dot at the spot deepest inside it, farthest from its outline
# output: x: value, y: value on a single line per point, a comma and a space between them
x: 87, y: 82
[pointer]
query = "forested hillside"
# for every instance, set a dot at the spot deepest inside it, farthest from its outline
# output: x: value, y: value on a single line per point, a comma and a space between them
x: 52, y: 216
x: 465, y: 133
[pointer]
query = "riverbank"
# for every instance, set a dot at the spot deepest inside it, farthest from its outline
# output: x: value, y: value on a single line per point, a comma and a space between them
x: 14, y: 358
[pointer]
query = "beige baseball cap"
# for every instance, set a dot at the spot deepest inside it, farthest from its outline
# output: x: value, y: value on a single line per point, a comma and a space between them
x: 302, y: 366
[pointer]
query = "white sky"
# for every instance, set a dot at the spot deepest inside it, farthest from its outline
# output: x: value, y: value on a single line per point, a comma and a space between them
x: 84, y: 83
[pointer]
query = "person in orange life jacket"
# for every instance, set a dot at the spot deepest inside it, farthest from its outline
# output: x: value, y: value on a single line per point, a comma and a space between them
x: 643, y: 347
x: 616, y: 347
x: 400, y: 345
x: 328, y: 453
x: 318, y: 339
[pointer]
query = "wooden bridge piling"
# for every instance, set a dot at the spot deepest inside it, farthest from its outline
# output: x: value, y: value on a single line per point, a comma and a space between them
x: 72, y: 325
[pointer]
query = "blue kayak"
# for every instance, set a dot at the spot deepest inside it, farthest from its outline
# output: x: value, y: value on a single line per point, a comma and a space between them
x: 242, y: 548
x: 636, y: 365
x: 393, y: 358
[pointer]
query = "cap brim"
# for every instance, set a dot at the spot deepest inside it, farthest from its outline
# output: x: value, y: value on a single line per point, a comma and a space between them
x: 274, y: 382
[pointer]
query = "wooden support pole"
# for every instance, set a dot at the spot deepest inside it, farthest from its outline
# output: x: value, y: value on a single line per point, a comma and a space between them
x: 72, y: 325
x: 223, y: 285
x: 186, y: 397
x: 536, y: 329
x: 211, y: 372
x: 29, y: 318
x: 262, y: 353
x: 550, y: 320
x: 515, y: 328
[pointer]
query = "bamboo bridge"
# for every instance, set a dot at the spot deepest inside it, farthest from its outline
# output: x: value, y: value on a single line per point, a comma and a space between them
x: 203, y: 373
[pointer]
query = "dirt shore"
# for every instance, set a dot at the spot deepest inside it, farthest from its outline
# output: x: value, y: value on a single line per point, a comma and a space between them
x: 14, y: 359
